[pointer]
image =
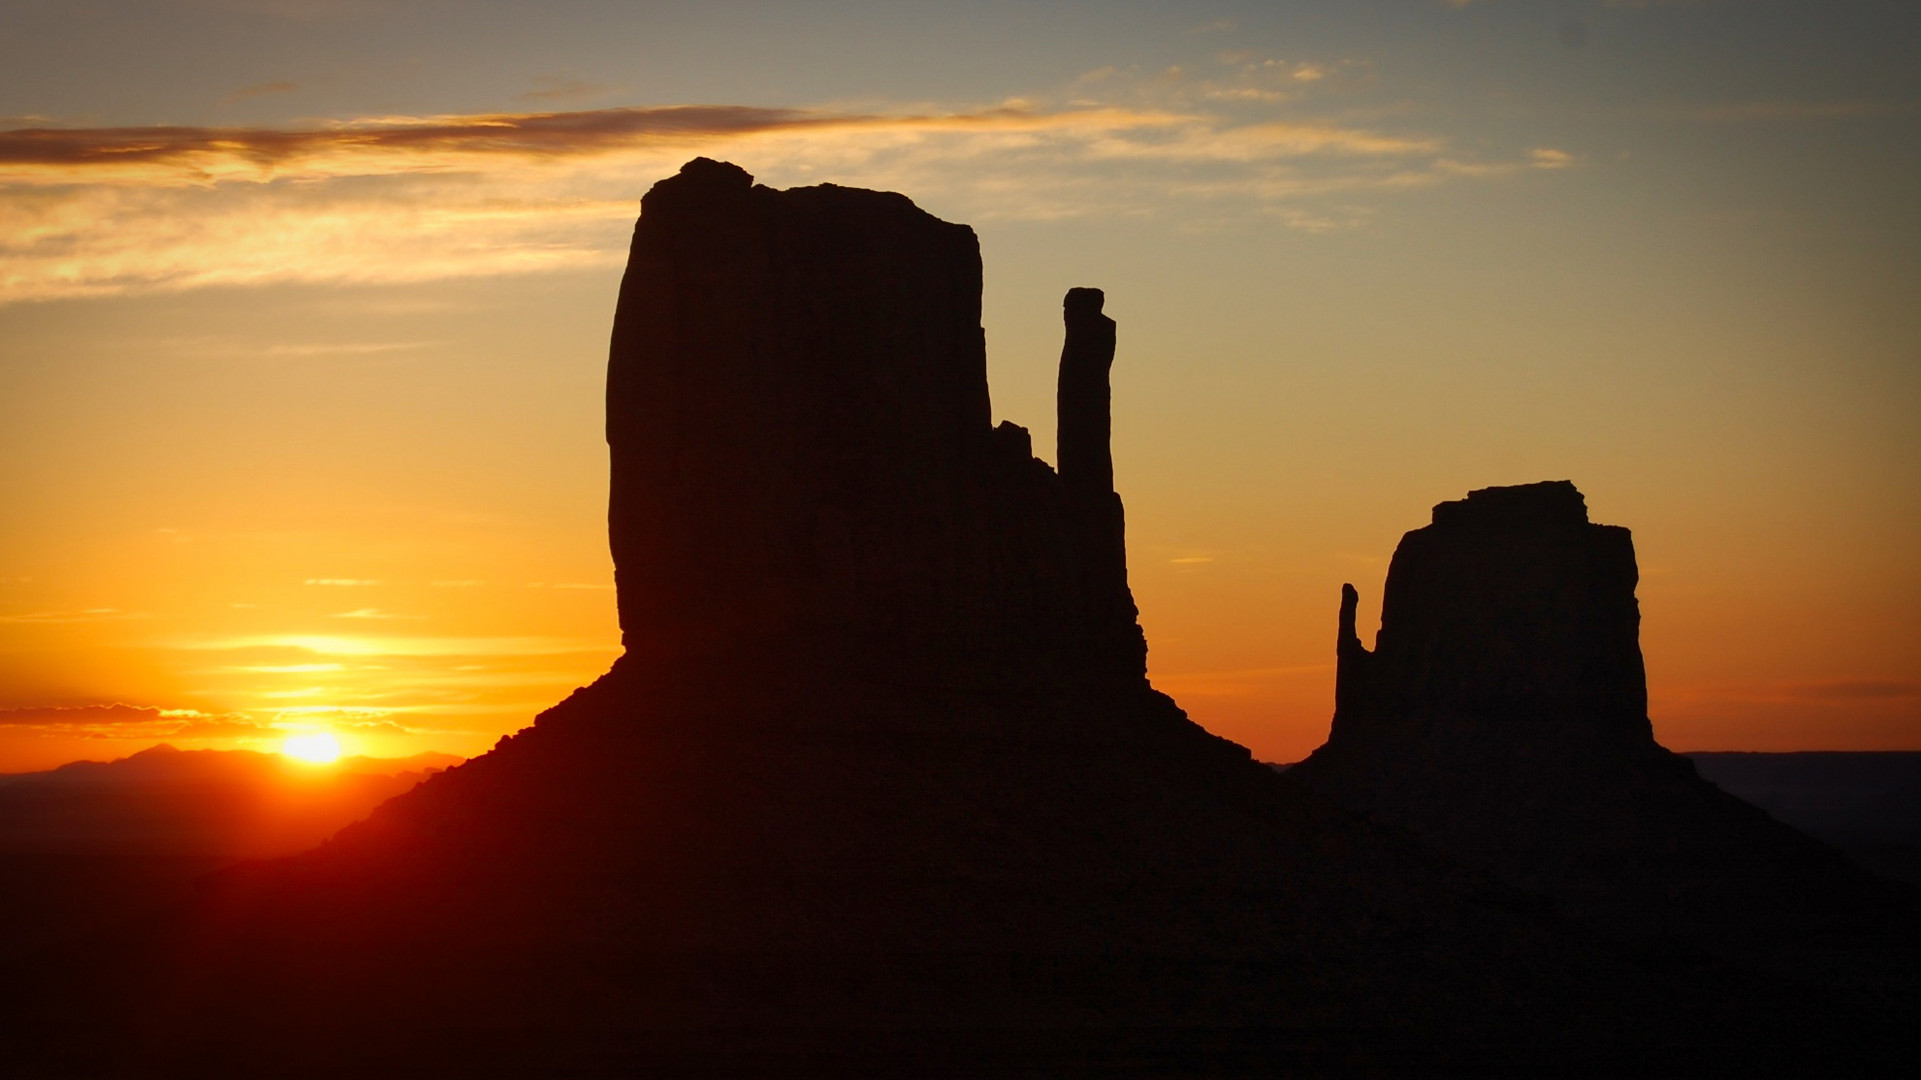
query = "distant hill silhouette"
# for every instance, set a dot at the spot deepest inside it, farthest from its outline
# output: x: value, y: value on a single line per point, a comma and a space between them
x: 215, y: 803
x: 880, y: 786
x: 1866, y: 803
x: 92, y: 844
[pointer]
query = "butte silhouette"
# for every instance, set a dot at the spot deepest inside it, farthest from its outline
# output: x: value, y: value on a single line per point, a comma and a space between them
x: 881, y: 787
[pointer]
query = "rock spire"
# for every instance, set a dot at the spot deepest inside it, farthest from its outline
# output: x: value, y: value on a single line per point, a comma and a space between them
x: 803, y: 458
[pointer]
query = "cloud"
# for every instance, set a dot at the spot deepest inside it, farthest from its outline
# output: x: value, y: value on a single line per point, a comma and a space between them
x: 90, y: 715
x: 219, y: 729
x: 1632, y: 5
x: 86, y: 616
x: 441, y: 683
x: 297, y: 10
x: 1853, y: 689
x: 370, y: 146
x: 371, y: 727
x: 1241, y: 682
x: 121, y: 721
x: 1823, y: 691
x: 373, y: 613
x: 102, y: 211
x: 302, y: 350
x: 262, y: 90
x: 363, y: 646
x: 1789, y: 111
x: 1258, y: 142
x: 550, y: 89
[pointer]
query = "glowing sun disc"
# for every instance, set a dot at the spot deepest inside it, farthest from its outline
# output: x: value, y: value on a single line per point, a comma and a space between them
x: 314, y: 747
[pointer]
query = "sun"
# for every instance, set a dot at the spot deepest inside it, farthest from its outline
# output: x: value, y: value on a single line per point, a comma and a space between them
x: 313, y: 747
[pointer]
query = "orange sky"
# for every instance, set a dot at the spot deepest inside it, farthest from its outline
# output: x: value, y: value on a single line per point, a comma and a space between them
x: 301, y: 345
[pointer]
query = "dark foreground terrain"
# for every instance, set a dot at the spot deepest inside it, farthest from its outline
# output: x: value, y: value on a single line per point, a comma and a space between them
x: 518, y: 1007
x: 881, y: 787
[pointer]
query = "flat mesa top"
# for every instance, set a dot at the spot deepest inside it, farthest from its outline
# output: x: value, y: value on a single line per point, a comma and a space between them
x: 1550, y: 502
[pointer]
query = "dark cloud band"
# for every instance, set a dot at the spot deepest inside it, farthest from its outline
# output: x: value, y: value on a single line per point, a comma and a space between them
x: 517, y: 134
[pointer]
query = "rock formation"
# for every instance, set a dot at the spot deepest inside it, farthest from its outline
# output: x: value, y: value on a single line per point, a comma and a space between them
x: 880, y: 786
x: 797, y: 410
x: 1502, y: 716
x: 1511, y: 608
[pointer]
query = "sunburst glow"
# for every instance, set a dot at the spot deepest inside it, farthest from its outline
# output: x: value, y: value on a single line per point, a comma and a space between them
x: 313, y: 747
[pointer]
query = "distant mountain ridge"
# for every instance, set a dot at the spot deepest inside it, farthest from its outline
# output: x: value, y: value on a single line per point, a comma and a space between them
x: 212, y: 803
x: 1849, y: 798
x: 1865, y: 802
x: 168, y: 761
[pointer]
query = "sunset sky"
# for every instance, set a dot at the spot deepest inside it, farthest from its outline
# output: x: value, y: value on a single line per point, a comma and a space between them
x: 304, y: 308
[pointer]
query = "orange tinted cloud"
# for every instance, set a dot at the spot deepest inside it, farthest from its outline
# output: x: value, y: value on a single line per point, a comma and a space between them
x: 87, y: 615
x: 131, y: 721
x: 551, y: 89
x: 380, y: 144
x: 93, y: 211
x: 1826, y: 690
x: 262, y: 90
x: 401, y: 144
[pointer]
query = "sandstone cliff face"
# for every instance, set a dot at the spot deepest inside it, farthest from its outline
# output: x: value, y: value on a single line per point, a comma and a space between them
x: 803, y: 459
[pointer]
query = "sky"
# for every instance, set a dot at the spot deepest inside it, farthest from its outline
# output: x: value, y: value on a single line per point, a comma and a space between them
x: 304, y: 309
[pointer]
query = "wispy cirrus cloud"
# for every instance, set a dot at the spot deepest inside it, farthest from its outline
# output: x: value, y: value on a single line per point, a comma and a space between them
x: 1852, y: 689
x: 389, y: 146
x: 1781, y: 111
x: 370, y: 646
x: 549, y: 89
x: 1240, y: 682
x: 442, y: 684
x: 279, y: 86
x: 1826, y: 691
x: 87, y: 615
x: 92, y: 211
